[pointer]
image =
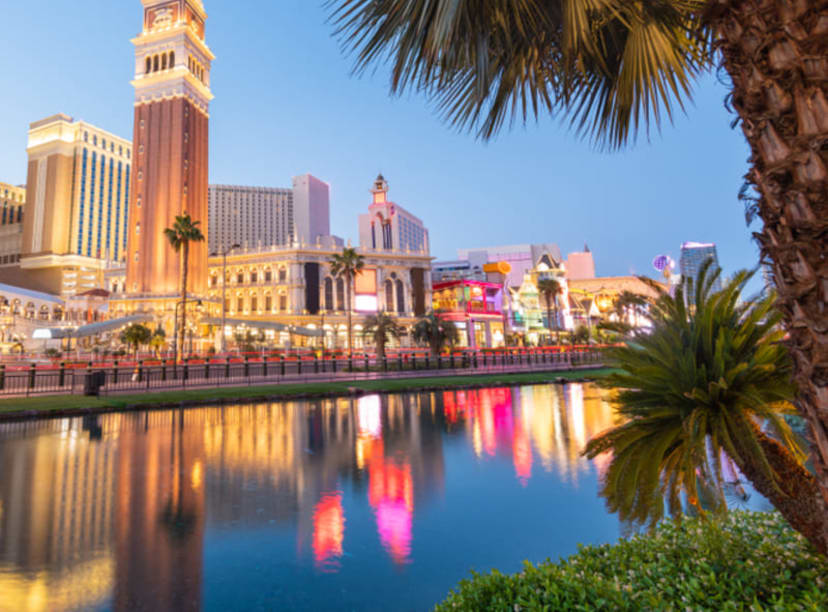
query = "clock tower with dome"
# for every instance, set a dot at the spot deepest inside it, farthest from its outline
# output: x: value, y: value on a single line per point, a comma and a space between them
x: 170, y: 152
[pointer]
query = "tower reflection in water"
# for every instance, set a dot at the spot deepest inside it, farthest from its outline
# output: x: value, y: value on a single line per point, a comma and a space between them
x: 114, y: 512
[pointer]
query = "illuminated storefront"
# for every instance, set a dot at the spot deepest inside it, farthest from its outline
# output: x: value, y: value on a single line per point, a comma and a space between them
x: 475, y: 307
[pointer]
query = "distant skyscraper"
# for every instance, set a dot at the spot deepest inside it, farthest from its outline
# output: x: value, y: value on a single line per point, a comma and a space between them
x: 388, y: 226
x: 693, y: 257
x: 172, y: 97
x: 269, y: 216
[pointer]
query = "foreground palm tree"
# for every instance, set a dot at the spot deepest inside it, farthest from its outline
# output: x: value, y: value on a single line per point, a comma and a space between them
x: 183, y: 231
x: 708, y: 385
x: 613, y: 66
x: 435, y: 332
x: 347, y: 264
x: 550, y: 288
x: 380, y: 328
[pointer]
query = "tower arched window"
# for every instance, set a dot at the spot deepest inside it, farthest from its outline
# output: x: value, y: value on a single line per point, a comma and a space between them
x: 172, y: 59
x: 164, y: 61
x: 340, y: 294
x: 400, y: 297
x: 329, y: 297
x: 389, y: 296
x: 149, y: 64
x: 155, y: 64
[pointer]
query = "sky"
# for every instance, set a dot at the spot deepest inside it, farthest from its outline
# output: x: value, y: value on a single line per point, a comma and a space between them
x: 287, y: 103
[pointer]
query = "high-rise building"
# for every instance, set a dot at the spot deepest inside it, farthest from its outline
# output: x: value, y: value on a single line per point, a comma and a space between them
x: 269, y: 216
x: 693, y: 256
x: 76, y: 208
x: 12, y: 201
x: 388, y: 226
x: 172, y: 96
x: 78, y: 192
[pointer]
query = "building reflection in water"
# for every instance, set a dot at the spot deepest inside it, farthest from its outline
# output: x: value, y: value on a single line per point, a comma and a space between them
x: 112, y: 512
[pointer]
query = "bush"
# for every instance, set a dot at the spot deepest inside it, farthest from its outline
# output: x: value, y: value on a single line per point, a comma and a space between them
x: 744, y: 560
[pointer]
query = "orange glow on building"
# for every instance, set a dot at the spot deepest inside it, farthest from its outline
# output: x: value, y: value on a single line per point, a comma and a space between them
x: 328, y: 531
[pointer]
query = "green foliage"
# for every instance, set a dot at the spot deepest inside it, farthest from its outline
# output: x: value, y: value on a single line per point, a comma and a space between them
x: 381, y: 327
x: 691, y: 393
x: 347, y: 265
x: 183, y: 231
x: 745, y: 561
x: 580, y: 335
x: 435, y: 332
x: 136, y: 335
x: 607, y: 65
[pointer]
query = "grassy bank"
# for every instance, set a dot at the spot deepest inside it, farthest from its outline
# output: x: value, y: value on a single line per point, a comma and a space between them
x: 61, y: 405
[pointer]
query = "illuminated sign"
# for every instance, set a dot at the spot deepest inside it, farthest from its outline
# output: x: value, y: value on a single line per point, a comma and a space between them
x: 366, y: 303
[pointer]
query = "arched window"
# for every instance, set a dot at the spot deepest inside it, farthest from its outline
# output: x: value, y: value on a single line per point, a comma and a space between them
x: 149, y: 64
x: 214, y: 280
x: 268, y: 275
x: 239, y: 304
x: 283, y: 302
x: 155, y: 64
x: 400, y: 297
x: 254, y: 303
x: 172, y: 59
x: 254, y: 276
x: 240, y: 277
x: 340, y: 294
x: 282, y: 275
x: 328, y: 292
x: 389, y: 296
x: 268, y: 303
x: 164, y: 61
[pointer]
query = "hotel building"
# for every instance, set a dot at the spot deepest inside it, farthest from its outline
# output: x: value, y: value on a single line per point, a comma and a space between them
x: 693, y: 256
x: 12, y: 201
x: 76, y: 207
x: 254, y: 217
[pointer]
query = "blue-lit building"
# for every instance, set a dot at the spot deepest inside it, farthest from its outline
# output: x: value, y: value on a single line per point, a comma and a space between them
x: 693, y: 256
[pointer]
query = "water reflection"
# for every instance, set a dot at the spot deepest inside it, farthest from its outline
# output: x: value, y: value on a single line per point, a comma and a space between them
x: 117, y: 512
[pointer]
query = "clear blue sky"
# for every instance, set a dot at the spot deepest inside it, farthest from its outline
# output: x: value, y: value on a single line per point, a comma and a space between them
x: 286, y: 104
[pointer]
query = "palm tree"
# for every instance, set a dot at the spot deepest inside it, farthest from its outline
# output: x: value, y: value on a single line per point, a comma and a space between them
x: 381, y: 327
x: 183, y: 231
x: 158, y: 340
x: 550, y: 288
x: 709, y: 385
x: 629, y: 303
x: 435, y: 332
x: 612, y: 67
x: 135, y: 336
x: 347, y: 265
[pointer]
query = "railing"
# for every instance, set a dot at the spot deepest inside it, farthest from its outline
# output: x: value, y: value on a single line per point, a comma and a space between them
x: 145, y: 376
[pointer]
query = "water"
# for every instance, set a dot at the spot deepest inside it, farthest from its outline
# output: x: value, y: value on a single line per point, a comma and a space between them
x: 374, y: 503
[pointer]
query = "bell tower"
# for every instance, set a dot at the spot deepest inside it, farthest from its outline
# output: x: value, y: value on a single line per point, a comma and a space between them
x: 170, y: 147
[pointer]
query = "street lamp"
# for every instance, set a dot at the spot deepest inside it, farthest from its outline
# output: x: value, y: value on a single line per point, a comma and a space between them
x: 224, y: 291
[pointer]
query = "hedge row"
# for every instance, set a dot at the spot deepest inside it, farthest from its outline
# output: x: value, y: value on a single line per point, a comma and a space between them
x: 743, y: 561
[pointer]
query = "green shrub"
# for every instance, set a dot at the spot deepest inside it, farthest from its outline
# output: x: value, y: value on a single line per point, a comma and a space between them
x: 743, y: 561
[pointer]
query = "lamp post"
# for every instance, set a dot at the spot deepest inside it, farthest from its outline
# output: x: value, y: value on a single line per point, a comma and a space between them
x: 223, y: 254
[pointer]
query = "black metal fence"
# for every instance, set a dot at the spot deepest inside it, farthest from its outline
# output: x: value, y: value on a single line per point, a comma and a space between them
x: 144, y: 376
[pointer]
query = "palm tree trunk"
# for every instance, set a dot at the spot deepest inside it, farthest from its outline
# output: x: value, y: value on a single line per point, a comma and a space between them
x: 775, y: 53
x: 348, y: 309
x: 184, y: 261
x: 557, y: 326
x: 795, y: 494
x: 549, y: 317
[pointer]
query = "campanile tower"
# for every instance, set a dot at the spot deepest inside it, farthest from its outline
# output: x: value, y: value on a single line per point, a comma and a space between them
x: 170, y: 138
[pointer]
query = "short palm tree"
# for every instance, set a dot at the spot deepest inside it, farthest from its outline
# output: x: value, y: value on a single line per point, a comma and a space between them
x: 550, y: 289
x: 347, y: 265
x: 629, y: 303
x: 381, y: 327
x: 614, y: 66
x: 135, y: 336
x: 158, y: 340
x: 435, y: 332
x: 180, y: 235
x: 709, y: 384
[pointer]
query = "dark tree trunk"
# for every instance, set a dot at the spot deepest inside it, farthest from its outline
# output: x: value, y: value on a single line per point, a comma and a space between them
x: 184, y: 263
x: 795, y: 494
x: 776, y: 53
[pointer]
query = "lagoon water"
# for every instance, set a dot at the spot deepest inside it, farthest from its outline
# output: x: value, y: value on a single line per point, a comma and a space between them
x: 376, y: 503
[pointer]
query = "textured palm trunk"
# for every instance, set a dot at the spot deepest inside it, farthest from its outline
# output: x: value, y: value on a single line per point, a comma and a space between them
x: 795, y: 494
x: 776, y: 53
x: 348, y: 308
x: 182, y: 331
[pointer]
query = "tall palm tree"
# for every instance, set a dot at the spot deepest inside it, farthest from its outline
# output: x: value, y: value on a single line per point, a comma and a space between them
x: 435, y: 332
x: 550, y: 289
x: 347, y: 264
x: 180, y: 235
x: 707, y: 386
x: 614, y: 66
x: 380, y: 328
x: 629, y: 303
